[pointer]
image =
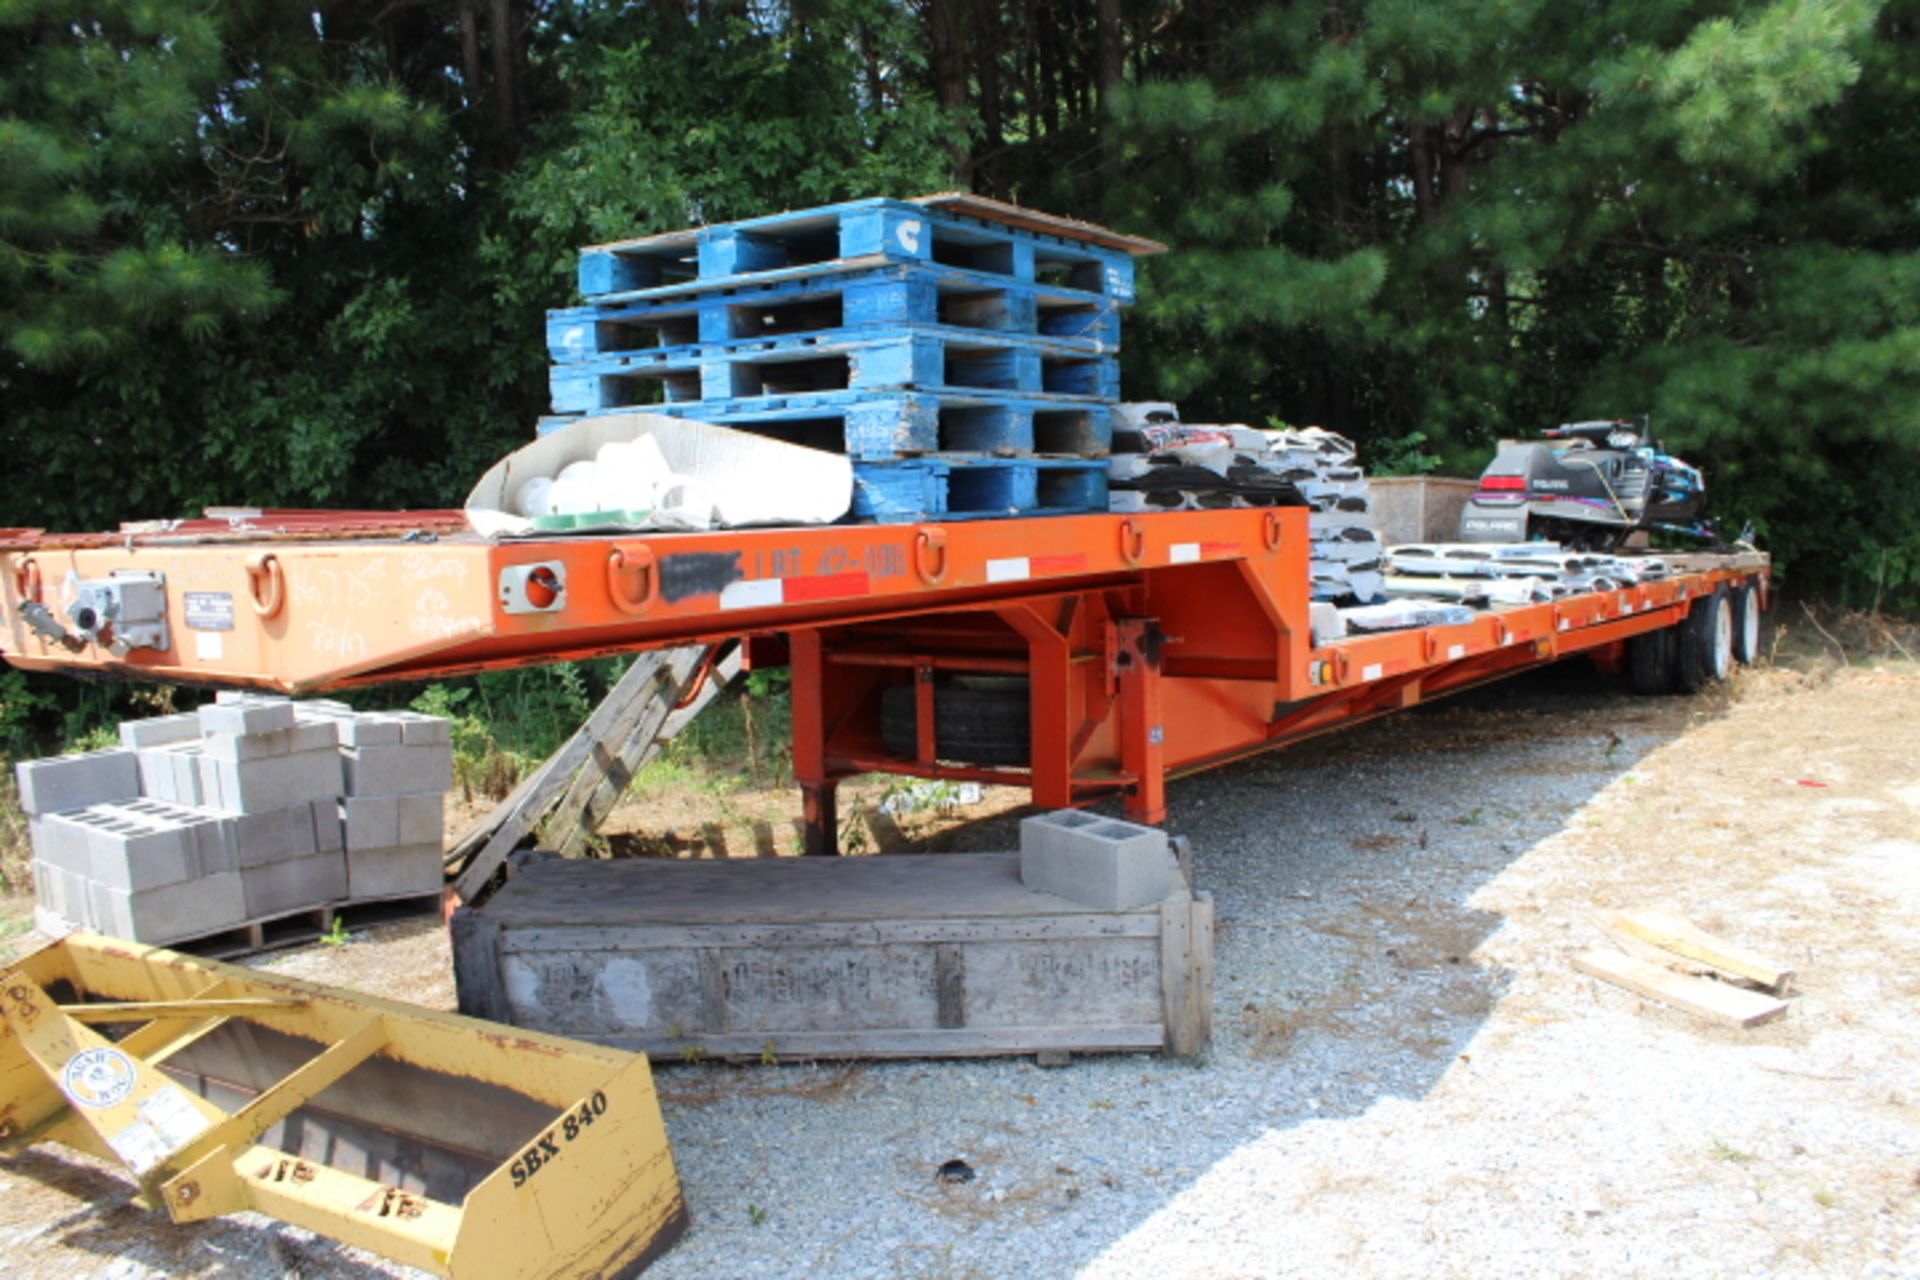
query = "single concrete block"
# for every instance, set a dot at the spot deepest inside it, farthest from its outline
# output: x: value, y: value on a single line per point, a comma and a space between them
x: 273, y: 835
x: 186, y: 774
x: 418, y: 730
x: 50, y: 888
x: 372, y: 729
x: 247, y: 714
x: 74, y: 782
x: 144, y: 844
x: 64, y: 841
x: 276, y: 782
x: 372, y: 822
x: 329, y: 826
x: 422, y: 820
x: 171, y: 912
x: 320, y: 710
x: 394, y: 872
x: 276, y: 887
x: 280, y: 742
x: 398, y: 770
x: 159, y: 731
x: 1101, y: 862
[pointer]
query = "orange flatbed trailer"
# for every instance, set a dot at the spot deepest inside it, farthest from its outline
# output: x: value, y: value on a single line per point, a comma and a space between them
x: 1151, y: 645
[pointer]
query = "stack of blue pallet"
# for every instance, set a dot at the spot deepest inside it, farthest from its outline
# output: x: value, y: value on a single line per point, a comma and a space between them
x: 963, y: 353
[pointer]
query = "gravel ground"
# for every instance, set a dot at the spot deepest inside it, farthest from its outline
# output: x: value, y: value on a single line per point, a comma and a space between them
x: 1407, y: 1078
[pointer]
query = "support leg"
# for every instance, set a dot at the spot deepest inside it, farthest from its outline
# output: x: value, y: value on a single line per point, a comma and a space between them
x: 820, y: 809
x: 1142, y: 731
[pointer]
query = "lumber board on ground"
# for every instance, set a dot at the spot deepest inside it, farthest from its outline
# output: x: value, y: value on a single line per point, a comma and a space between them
x: 1673, y: 934
x: 1699, y: 996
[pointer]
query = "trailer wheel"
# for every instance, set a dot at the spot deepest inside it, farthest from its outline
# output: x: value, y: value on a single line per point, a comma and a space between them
x: 1650, y: 661
x: 1706, y: 644
x: 970, y: 725
x: 1746, y: 624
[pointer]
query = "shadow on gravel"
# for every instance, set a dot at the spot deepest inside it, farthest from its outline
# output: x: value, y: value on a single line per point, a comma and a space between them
x: 133, y: 1240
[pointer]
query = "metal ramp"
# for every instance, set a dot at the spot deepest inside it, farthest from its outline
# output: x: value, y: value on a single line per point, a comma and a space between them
x: 449, y: 1144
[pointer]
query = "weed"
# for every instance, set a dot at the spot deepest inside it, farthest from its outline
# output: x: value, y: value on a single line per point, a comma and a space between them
x: 16, y: 850
x: 692, y: 1053
x: 337, y: 935
x: 1825, y: 1198
x: 1724, y: 1150
x: 768, y: 1056
x: 756, y: 1215
x: 1472, y: 817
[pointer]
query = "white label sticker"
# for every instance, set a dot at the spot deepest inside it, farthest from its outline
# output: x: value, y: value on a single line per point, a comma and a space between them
x: 139, y: 1146
x: 1014, y: 570
x: 1372, y: 671
x: 1183, y: 552
x: 1457, y: 651
x: 172, y: 1115
x: 98, y: 1077
x: 209, y: 646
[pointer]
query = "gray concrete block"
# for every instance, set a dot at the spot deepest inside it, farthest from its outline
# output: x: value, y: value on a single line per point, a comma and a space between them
x: 418, y: 730
x: 279, y: 742
x: 320, y: 711
x: 74, y: 782
x: 50, y: 888
x: 277, y: 782
x: 144, y: 844
x: 186, y: 774
x: 248, y: 713
x: 393, y: 872
x: 421, y: 820
x: 171, y: 912
x: 1101, y: 862
x: 329, y: 827
x: 372, y: 729
x: 397, y: 770
x: 272, y: 835
x: 159, y: 731
x: 62, y: 841
x: 372, y: 822
x: 276, y: 887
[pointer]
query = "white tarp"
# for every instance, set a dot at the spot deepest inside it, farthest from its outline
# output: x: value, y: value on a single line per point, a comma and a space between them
x: 679, y: 475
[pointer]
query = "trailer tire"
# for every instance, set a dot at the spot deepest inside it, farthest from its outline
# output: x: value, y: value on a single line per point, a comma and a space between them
x: 970, y: 725
x: 1650, y: 661
x: 1746, y: 625
x: 1706, y: 644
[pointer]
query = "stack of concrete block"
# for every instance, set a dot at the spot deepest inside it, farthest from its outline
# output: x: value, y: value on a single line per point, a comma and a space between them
x: 238, y: 812
x: 399, y: 767
x: 136, y: 868
x: 1100, y: 862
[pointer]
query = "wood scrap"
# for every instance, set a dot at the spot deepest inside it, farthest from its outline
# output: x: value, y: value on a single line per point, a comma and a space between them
x: 1667, y: 937
x: 1703, y: 997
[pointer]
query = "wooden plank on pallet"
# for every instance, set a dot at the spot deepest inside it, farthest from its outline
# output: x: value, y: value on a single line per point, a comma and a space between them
x: 1700, y: 996
x: 597, y: 788
x: 651, y: 677
x: 1667, y: 935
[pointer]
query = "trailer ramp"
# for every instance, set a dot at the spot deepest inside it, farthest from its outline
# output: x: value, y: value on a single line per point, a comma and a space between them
x: 442, y: 1142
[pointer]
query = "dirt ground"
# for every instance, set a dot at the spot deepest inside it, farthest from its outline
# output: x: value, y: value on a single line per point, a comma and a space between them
x: 1783, y: 812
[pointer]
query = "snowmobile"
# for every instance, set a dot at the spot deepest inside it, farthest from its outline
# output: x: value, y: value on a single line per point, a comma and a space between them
x: 1588, y: 486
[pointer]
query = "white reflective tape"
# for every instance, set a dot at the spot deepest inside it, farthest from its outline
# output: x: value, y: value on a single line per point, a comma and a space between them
x: 1457, y: 651
x: 1183, y: 552
x: 1372, y: 671
x: 209, y: 646
x: 754, y: 593
x: 1018, y: 569
x: 1565, y: 625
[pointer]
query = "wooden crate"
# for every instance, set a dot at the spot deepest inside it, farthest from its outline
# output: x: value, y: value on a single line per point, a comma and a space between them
x: 900, y: 955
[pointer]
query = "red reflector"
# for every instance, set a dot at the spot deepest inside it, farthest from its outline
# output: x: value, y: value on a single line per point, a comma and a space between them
x: 1497, y: 483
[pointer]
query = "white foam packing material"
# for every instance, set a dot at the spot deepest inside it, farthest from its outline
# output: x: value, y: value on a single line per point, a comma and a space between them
x: 720, y: 477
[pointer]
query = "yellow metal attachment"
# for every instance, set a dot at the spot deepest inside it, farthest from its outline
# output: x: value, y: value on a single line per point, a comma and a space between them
x: 443, y: 1142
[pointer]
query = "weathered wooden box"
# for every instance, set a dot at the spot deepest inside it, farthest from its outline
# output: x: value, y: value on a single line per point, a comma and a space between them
x: 891, y: 956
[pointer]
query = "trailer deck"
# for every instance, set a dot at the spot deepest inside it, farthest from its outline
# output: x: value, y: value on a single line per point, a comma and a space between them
x: 1133, y: 647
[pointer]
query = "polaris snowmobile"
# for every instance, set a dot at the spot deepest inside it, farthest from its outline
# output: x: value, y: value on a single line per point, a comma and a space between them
x: 1588, y: 486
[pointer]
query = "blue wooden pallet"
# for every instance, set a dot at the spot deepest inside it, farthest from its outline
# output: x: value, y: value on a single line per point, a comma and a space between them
x: 883, y: 296
x: 959, y: 487
x: 886, y: 229
x: 925, y: 358
x: 905, y: 424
